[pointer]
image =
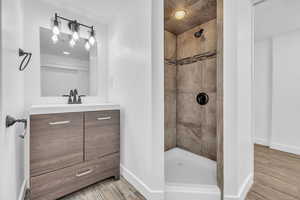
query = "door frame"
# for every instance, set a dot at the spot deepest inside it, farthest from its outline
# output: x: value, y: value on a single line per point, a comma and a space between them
x: 254, y: 4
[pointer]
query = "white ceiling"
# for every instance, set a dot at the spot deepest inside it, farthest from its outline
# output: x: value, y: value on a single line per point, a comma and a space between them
x: 103, y: 11
x: 274, y: 17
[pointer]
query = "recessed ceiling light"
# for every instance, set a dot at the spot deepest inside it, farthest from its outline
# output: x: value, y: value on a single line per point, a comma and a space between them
x: 66, y: 53
x: 180, y: 14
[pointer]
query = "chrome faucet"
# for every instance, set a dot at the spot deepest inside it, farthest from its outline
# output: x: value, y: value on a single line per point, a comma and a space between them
x: 74, y: 98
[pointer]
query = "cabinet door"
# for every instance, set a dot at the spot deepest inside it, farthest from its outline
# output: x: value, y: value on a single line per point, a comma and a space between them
x: 61, y: 182
x: 102, y: 133
x: 56, y: 141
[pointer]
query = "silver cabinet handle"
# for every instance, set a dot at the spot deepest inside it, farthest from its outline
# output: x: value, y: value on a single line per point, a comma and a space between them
x: 84, y: 173
x: 59, y: 123
x: 103, y: 118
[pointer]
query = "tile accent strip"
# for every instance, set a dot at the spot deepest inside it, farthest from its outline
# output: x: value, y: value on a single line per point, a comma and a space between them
x: 193, y: 59
x: 196, y: 58
x: 170, y: 61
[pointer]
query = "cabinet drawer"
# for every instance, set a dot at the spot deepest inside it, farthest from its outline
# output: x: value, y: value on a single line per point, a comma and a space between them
x: 56, y: 141
x: 56, y: 184
x: 102, y: 133
x: 101, y: 118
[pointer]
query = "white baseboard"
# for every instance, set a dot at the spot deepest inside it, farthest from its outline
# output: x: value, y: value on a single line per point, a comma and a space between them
x: 189, y: 192
x: 145, y: 190
x: 22, y: 191
x: 243, y: 190
x: 286, y: 148
x: 261, y: 141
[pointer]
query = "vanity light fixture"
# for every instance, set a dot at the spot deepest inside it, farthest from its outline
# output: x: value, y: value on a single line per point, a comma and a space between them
x: 55, y: 25
x: 87, y: 45
x: 74, y: 27
x: 92, y: 39
x: 54, y: 39
x: 72, y: 42
x: 66, y: 53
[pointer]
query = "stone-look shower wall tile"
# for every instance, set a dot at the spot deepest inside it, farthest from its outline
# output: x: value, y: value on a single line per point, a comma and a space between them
x: 196, y: 124
x: 189, y: 77
x: 209, y: 75
x: 192, y: 141
x: 209, y: 116
x: 170, y: 45
x: 198, y: 76
x: 170, y: 77
x: 188, y: 45
x: 188, y: 110
x: 170, y: 91
x: 170, y: 120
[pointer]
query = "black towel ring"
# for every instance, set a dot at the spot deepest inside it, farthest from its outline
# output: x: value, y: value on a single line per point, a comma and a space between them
x: 27, y: 58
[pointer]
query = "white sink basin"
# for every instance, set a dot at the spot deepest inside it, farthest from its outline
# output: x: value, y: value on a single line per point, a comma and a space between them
x: 63, y: 108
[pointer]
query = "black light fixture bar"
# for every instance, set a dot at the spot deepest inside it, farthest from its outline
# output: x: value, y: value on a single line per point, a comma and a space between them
x: 73, y: 21
x: 74, y: 26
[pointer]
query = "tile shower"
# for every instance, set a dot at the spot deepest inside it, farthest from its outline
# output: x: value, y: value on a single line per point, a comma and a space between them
x: 190, y: 68
x: 191, y: 128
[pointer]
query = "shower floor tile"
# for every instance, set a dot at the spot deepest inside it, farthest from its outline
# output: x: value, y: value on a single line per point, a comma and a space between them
x: 183, y: 167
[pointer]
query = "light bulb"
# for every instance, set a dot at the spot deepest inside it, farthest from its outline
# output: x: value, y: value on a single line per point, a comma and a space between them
x: 54, y: 39
x: 87, y: 46
x: 92, y: 40
x: 180, y: 14
x: 55, y: 30
x: 55, y: 25
x: 75, y: 36
x: 72, y: 43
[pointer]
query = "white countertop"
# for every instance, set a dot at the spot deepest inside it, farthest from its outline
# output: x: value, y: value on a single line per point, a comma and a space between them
x: 64, y: 108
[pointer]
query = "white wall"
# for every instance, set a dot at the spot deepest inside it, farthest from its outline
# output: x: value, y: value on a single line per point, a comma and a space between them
x: 274, y: 122
x: 12, y: 101
x: 275, y: 125
x: 238, y: 148
x: 276, y: 17
x: 59, y: 81
x: 263, y: 91
x: 158, y: 89
x: 60, y: 74
x: 286, y: 95
x: 39, y: 14
x: 132, y: 77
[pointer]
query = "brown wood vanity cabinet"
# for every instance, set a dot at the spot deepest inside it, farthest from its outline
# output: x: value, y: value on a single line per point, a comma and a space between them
x: 69, y: 151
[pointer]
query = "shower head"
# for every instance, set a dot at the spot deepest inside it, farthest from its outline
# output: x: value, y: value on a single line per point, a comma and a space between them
x: 199, y: 33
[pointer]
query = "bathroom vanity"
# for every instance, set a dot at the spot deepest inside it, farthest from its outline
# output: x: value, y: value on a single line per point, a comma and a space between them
x: 71, y: 147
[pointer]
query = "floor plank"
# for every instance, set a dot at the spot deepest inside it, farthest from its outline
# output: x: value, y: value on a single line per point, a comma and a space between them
x: 276, y: 175
x: 107, y: 190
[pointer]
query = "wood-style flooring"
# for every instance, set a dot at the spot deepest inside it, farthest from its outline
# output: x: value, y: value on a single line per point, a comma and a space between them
x: 106, y: 190
x: 276, y: 176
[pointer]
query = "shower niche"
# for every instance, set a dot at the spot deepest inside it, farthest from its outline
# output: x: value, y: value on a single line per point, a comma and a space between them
x: 192, y: 30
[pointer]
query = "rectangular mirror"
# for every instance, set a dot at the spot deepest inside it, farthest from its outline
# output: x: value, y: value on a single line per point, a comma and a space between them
x: 64, y: 68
